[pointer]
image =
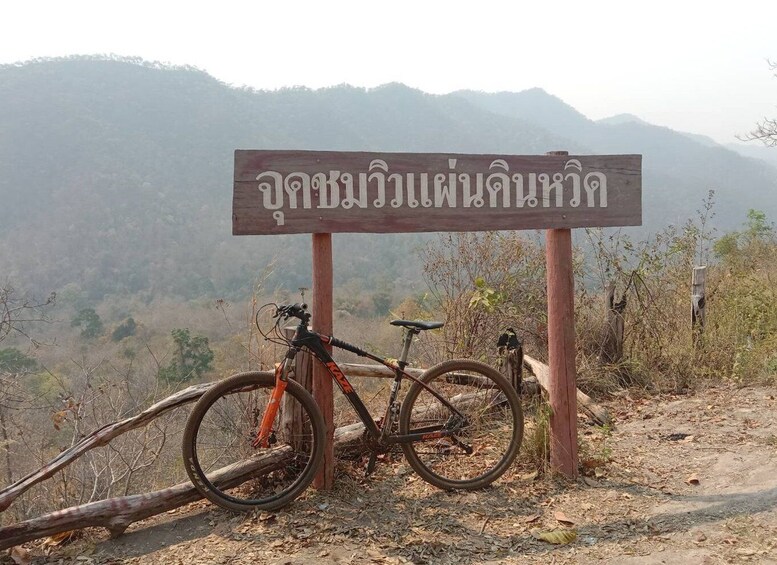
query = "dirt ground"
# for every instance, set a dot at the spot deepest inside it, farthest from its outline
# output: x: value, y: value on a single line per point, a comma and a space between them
x: 679, y: 479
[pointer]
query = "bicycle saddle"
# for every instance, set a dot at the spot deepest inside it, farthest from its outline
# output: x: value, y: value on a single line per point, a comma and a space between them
x: 417, y: 324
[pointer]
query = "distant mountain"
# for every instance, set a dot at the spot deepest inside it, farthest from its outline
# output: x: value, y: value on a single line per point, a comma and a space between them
x: 116, y: 175
x: 755, y: 150
x: 537, y: 107
x: 620, y: 119
x: 678, y: 170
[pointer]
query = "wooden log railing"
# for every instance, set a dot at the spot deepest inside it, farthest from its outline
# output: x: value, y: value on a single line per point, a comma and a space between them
x: 593, y: 410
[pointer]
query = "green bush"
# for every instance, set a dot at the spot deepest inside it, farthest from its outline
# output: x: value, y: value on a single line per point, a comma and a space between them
x: 192, y: 358
x: 90, y: 323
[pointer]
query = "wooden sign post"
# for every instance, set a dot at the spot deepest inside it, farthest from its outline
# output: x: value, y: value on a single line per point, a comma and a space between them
x: 562, y: 390
x: 320, y: 192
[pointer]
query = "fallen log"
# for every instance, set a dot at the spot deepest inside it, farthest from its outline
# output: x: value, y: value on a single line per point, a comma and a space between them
x: 116, y: 514
x: 597, y: 413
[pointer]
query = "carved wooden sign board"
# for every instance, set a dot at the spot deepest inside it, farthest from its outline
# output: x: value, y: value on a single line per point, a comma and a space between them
x: 280, y: 192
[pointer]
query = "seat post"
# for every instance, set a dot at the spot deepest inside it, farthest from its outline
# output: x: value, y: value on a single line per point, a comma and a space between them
x: 407, y: 339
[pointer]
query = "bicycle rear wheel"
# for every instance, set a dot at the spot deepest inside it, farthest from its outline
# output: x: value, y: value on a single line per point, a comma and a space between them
x: 492, y: 431
x: 217, y: 444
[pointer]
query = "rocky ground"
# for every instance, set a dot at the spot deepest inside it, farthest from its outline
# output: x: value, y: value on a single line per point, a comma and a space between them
x: 678, y: 479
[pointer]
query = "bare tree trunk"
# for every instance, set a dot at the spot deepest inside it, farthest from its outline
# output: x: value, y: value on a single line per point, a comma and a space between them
x: 612, y: 341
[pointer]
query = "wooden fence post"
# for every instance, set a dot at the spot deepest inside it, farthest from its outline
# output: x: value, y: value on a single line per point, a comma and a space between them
x: 511, y: 350
x: 698, y: 303
x: 322, y: 323
x: 290, y: 423
x: 612, y: 342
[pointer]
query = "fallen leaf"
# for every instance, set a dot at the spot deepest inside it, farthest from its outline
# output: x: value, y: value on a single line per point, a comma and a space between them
x: 556, y: 537
x: 59, y: 539
x: 20, y: 555
x: 267, y: 517
x: 562, y: 518
x: 533, y: 518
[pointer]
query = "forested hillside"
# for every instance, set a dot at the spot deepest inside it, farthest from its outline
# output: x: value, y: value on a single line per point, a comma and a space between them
x: 116, y: 175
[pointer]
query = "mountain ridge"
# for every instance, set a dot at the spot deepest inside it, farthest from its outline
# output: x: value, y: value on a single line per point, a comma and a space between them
x: 116, y: 174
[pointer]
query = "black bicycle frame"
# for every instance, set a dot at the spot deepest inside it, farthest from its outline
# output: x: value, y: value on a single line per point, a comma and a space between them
x: 315, y: 343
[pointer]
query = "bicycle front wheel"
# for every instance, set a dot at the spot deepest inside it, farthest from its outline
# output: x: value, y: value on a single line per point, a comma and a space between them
x: 219, y: 455
x: 487, y: 439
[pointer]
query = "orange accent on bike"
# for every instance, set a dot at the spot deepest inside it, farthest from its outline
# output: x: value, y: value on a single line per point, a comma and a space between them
x: 433, y: 435
x: 265, y: 428
x: 339, y: 376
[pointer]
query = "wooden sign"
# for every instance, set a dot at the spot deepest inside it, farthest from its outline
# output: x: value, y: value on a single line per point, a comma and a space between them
x: 278, y: 192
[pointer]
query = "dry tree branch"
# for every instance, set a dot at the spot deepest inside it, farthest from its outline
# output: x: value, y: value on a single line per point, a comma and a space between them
x: 99, y: 438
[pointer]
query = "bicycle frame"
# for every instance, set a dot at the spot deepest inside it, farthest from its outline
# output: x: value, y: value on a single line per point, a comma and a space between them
x: 316, y: 344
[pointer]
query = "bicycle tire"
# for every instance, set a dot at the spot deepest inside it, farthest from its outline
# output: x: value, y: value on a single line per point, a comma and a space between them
x: 494, y: 428
x: 218, y: 436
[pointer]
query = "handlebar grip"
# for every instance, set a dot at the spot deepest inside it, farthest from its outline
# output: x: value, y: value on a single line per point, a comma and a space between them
x: 298, y: 310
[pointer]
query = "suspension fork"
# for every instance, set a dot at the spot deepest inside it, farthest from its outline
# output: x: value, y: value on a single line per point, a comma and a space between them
x: 281, y: 380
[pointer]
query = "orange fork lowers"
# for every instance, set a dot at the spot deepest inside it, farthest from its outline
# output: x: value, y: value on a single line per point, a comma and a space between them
x: 265, y: 428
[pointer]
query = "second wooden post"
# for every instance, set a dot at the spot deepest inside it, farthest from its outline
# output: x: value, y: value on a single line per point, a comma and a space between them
x: 561, y: 353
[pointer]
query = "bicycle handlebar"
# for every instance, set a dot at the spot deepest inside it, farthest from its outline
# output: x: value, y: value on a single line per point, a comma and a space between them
x: 297, y: 310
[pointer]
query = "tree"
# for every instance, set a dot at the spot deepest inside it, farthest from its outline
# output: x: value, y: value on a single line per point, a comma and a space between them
x: 747, y: 247
x: 89, y: 321
x: 125, y: 329
x: 193, y: 358
x: 766, y: 131
x: 13, y: 361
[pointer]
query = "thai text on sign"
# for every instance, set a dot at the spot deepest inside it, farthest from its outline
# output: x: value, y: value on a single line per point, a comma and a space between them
x: 278, y: 192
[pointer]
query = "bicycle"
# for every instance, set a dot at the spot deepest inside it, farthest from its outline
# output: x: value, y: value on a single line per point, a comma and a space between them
x: 460, y: 425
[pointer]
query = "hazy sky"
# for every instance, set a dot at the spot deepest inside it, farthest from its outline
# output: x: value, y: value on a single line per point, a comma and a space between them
x: 698, y: 66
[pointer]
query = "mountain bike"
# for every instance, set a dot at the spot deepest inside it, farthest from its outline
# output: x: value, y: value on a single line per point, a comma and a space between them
x: 255, y: 440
